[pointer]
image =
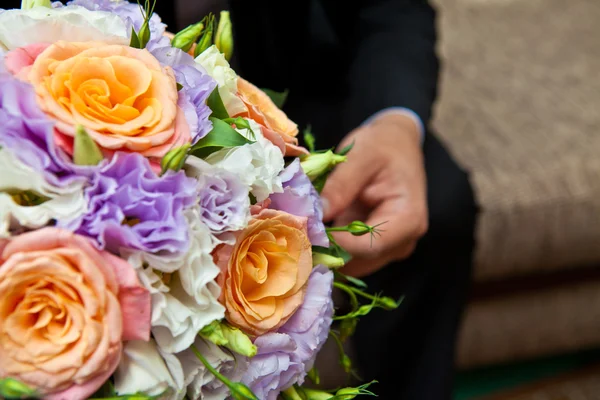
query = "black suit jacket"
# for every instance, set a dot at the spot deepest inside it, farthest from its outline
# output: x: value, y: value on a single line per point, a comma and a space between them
x: 342, y: 61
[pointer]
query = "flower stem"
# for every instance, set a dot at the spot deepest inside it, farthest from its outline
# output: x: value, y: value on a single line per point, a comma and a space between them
x: 212, y: 369
x: 384, y: 302
x: 239, y: 391
x: 350, y: 292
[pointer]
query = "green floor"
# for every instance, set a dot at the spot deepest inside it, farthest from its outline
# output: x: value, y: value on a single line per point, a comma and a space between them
x: 472, y: 384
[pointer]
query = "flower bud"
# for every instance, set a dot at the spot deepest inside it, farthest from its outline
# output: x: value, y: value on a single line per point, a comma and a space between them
x: 347, y: 328
x: 347, y: 393
x: 346, y: 363
x: 359, y: 228
x: 239, y: 391
x: 186, y: 38
x: 13, y: 389
x: 175, y: 158
x: 317, y: 164
x: 144, y: 34
x: 314, y: 376
x: 314, y: 394
x: 206, y: 40
x: 291, y: 394
x: 214, y: 333
x: 238, y: 341
x: 224, y: 36
x: 327, y: 260
x: 26, y: 4
x: 388, y: 303
x: 85, y: 150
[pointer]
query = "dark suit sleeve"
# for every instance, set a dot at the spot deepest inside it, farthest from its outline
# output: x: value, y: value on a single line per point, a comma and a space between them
x: 392, y: 48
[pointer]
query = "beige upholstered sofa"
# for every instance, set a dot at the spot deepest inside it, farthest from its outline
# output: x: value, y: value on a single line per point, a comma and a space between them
x: 519, y: 108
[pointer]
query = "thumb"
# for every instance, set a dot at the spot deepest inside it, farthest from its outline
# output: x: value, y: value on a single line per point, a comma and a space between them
x: 345, y: 184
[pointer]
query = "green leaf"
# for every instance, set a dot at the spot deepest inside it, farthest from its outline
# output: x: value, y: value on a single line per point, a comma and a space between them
x: 13, y: 389
x: 279, y: 98
x: 309, y: 139
x: 179, y: 86
x: 346, y: 149
x: 221, y: 136
x: 135, y: 40
x: 253, y: 200
x: 215, y: 103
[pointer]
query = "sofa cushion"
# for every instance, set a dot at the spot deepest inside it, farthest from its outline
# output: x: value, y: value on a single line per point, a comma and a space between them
x: 530, y: 324
x: 519, y: 108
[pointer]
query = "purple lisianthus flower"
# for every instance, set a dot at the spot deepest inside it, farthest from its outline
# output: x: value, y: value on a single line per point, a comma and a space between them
x: 196, y: 84
x: 300, y: 198
x: 310, y: 324
x: 29, y: 134
x: 284, y: 358
x: 223, y: 198
x: 274, y: 367
x: 130, y: 13
x: 224, y: 202
x: 131, y: 207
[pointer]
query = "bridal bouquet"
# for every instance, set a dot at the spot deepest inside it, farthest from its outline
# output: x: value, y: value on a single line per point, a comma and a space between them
x: 160, y: 226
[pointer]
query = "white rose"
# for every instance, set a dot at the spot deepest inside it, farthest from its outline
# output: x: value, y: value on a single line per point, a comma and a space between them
x: 216, y: 65
x: 258, y: 164
x: 19, y: 28
x: 185, y: 301
x: 200, y: 382
x: 64, y: 202
x: 144, y: 368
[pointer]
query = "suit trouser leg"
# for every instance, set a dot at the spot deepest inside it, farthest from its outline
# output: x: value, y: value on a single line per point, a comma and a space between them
x: 410, y: 351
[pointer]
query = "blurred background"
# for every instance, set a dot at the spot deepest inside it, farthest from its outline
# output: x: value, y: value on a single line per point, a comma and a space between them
x: 519, y: 108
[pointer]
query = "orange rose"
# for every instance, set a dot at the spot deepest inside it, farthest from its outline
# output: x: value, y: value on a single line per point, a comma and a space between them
x: 123, y: 97
x: 65, y: 309
x: 264, y: 275
x: 262, y: 110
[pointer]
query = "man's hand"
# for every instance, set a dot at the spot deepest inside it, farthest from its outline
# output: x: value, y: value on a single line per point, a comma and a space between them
x: 383, y: 181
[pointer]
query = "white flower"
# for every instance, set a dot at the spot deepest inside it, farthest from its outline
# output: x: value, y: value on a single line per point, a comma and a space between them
x: 258, y: 164
x: 64, y: 202
x: 144, y: 368
x: 215, y: 64
x: 19, y: 28
x: 186, y: 299
x: 200, y: 382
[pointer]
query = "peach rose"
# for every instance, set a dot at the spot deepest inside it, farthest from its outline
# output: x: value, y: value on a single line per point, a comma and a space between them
x: 123, y: 97
x: 262, y: 110
x: 264, y: 275
x: 65, y: 309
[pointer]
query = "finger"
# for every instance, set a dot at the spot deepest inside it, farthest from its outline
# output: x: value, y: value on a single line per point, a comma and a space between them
x: 398, y: 224
x: 356, y: 211
x: 346, y: 182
